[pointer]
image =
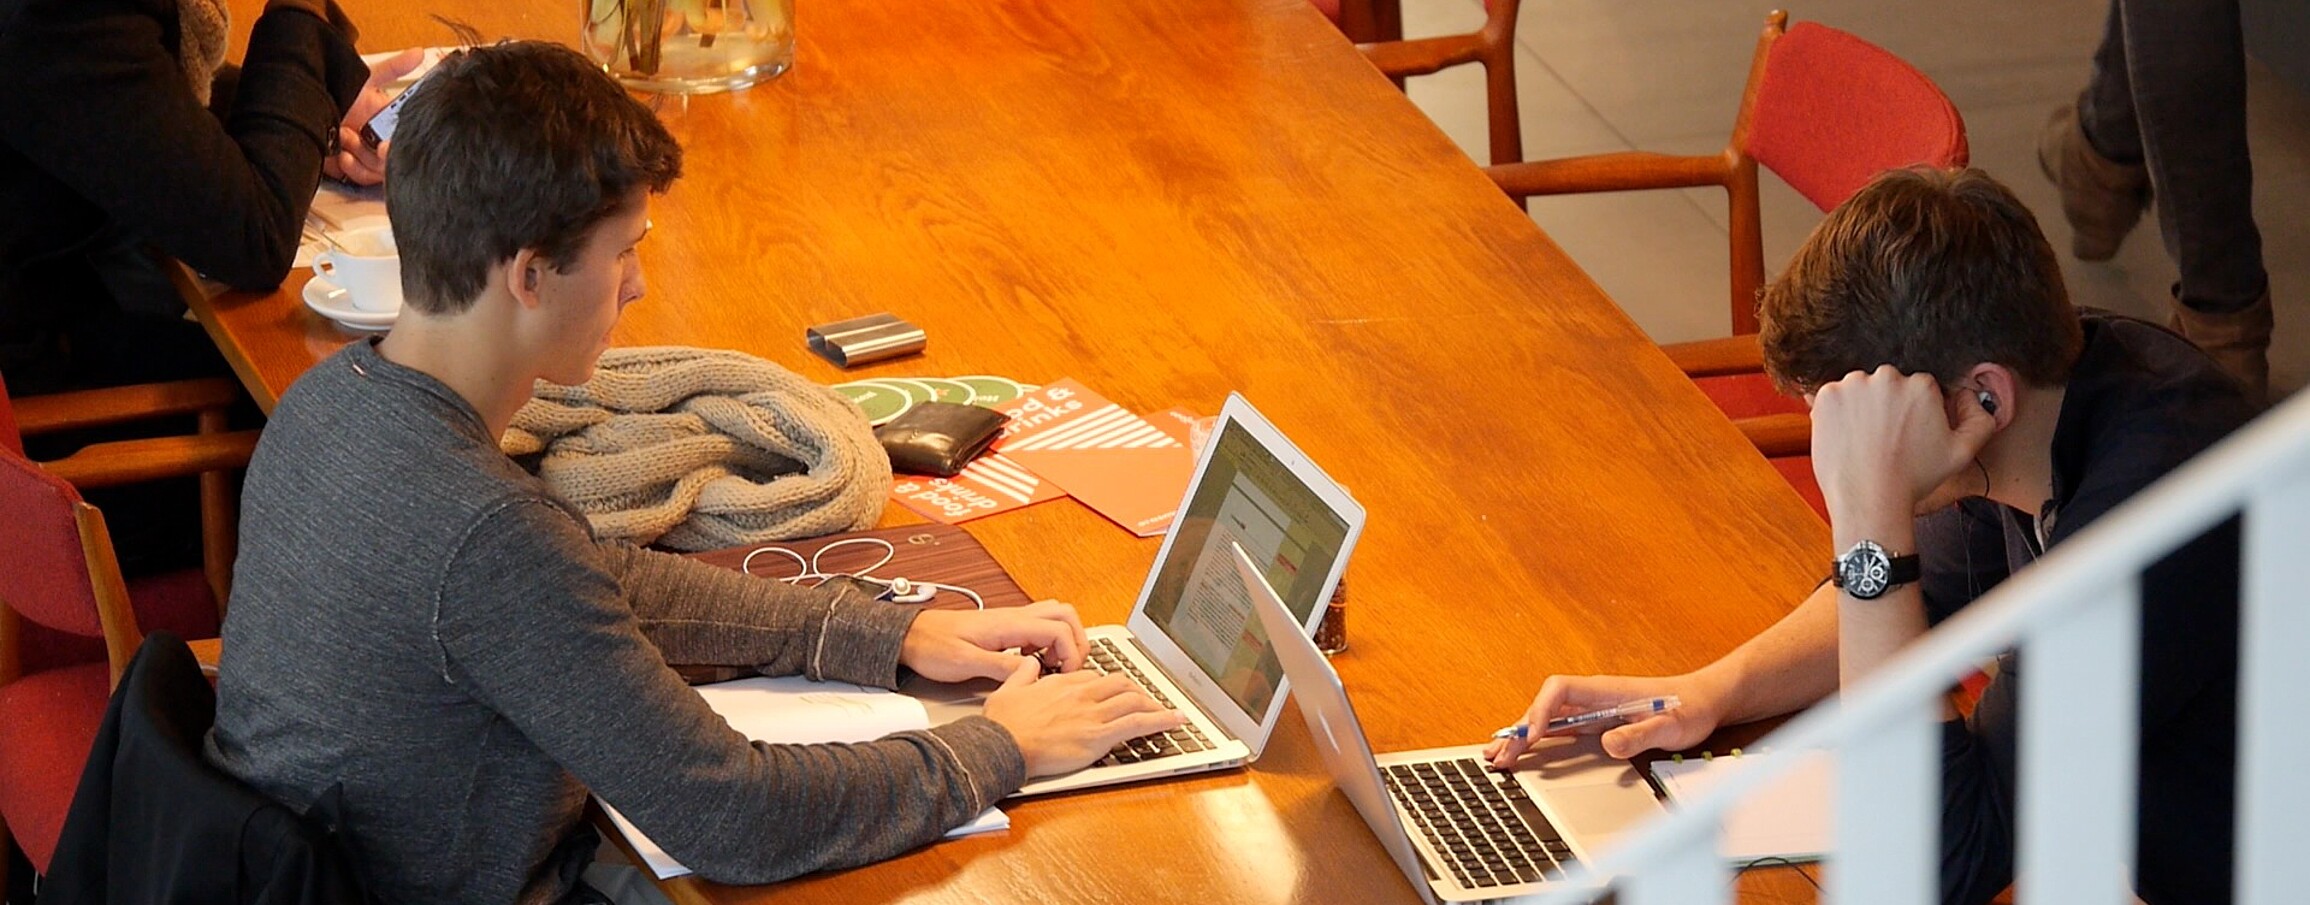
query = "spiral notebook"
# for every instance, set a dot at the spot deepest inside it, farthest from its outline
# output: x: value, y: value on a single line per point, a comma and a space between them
x: 1788, y: 819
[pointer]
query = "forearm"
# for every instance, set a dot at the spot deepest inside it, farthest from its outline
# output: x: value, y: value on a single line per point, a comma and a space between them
x: 699, y: 615
x: 1869, y: 632
x: 833, y: 806
x: 1785, y: 668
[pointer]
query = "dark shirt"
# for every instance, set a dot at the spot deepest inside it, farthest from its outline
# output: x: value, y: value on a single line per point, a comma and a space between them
x: 2140, y: 402
x: 104, y: 151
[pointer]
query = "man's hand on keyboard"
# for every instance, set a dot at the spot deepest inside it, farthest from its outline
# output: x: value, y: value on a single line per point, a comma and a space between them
x: 1066, y: 722
x: 955, y: 645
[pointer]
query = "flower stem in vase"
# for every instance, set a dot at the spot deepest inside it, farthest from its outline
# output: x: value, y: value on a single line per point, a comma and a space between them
x: 645, y: 27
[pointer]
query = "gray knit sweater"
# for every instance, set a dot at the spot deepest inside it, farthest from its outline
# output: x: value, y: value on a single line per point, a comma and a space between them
x: 419, y: 620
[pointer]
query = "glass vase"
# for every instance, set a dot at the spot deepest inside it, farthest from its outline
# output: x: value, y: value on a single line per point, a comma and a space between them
x: 690, y: 46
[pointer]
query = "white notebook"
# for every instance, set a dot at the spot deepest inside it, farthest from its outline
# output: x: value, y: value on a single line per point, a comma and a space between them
x: 1789, y: 818
x: 793, y: 710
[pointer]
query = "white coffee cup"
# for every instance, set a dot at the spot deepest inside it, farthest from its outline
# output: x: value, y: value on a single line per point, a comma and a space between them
x: 367, y: 265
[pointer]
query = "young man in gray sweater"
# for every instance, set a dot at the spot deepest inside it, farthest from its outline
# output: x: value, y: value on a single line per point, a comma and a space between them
x: 424, y: 627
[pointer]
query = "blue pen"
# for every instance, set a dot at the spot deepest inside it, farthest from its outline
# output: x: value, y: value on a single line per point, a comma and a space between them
x: 1629, y: 711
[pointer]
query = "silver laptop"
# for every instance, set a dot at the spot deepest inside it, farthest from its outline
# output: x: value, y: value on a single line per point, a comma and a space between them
x: 1192, y: 640
x: 1459, y: 831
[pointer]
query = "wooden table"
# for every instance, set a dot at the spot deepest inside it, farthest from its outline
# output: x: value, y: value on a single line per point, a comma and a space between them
x: 1168, y: 201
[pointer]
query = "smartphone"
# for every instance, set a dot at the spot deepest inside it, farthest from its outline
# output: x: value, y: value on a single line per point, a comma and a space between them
x: 379, y: 129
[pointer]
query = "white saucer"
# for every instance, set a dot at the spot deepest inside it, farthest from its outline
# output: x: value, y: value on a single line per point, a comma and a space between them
x: 329, y: 301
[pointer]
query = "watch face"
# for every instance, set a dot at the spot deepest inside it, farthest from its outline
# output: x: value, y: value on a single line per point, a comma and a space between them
x: 1865, y: 571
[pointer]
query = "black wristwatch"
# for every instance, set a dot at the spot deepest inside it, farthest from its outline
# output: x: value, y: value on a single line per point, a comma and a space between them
x: 1867, y: 571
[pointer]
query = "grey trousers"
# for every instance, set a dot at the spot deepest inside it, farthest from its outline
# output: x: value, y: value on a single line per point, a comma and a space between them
x: 2169, y: 91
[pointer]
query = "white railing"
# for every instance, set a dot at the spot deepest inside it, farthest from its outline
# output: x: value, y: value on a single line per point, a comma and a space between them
x: 2075, y: 615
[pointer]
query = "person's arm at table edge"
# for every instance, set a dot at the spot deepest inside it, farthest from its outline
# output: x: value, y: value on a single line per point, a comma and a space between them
x: 1786, y: 667
x: 111, y: 117
x: 734, y: 811
x: 703, y: 615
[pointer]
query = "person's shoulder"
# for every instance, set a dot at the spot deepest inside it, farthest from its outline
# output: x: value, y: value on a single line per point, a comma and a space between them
x: 2141, y: 402
x: 2132, y: 370
x: 368, y: 432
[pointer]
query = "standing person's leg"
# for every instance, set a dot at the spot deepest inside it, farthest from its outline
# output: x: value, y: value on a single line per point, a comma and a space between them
x: 2092, y: 150
x: 2169, y: 95
x: 2187, y: 59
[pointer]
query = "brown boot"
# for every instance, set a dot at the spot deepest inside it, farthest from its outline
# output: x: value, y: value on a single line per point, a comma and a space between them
x: 2239, y: 342
x: 2101, y: 198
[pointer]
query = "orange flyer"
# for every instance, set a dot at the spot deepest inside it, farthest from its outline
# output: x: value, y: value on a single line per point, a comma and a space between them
x: 1114, y: 461
x: 992, y: 483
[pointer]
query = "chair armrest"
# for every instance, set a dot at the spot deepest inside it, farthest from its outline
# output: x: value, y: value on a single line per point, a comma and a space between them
x: 1778, y: 436
x: 115, y: 405
x: 1421, y: 56
x: 1718, y: 357
x: 133, y: 461
x: 207, y: 652
x: 1615, y: 172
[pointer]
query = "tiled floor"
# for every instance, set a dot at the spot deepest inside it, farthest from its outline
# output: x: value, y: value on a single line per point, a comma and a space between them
x: 1599, y: 75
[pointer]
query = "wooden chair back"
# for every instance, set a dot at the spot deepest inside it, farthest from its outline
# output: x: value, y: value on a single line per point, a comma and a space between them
x: 1826, y: 111
x: 63, y: 573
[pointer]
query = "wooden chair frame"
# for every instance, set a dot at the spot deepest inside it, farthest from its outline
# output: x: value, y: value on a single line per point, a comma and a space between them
x: 211, y: 453
x: 1733, y: 169
x: 1494, y: 46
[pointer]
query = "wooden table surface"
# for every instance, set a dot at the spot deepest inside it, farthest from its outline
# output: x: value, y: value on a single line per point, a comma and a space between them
x: 1169, y: 200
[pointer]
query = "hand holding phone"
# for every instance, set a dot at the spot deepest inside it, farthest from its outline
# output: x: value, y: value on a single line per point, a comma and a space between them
x: 358, y: 158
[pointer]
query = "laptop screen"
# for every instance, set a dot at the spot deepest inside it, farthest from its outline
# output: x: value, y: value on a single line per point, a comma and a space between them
x: 1245, y: 496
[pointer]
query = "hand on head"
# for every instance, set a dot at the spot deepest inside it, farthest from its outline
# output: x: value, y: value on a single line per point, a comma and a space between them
x: 1695, y: 717
x: 1884, y: 441
x: 355, y: 161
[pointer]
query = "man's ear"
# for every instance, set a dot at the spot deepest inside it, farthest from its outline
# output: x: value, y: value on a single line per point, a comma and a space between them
x: 1993, y: 388
x: 523, y: 274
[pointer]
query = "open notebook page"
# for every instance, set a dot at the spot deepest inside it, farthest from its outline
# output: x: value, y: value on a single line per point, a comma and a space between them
x: 1788, y: 818
x: 792, y: 710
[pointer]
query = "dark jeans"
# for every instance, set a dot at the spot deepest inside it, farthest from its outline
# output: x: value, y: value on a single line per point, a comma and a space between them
x: 2169, y: 91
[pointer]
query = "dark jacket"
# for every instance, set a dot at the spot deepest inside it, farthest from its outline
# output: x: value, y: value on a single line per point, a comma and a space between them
x: 104, y: 151
x: 152, y: 823
x: 2140, y: 402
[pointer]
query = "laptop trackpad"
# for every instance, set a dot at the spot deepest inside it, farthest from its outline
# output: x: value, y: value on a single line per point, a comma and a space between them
x: 1594, y: 814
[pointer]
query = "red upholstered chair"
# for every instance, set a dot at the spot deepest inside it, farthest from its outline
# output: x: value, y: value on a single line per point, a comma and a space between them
x: 1375, y: 26
x: 1825, y: 111
x: 68, y: 621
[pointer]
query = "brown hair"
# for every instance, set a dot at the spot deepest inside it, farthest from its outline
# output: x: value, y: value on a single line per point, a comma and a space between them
x: 1930, y: 271
x: 519, y: 145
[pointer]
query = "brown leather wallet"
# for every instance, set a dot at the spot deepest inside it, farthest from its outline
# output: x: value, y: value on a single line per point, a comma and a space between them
x: 939, y: 438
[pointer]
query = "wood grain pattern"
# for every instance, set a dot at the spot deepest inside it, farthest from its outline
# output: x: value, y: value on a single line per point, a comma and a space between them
x: 1169, y: 201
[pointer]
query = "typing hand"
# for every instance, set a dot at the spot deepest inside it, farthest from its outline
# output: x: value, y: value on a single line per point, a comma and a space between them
x: 1066, y: 722
x: 1695, y: 717
x: 355, y: 161
x: 955, y: 645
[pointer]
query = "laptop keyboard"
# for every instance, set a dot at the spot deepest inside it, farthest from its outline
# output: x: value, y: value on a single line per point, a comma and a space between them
x: 1106, y: 658
x: 1487, y: 829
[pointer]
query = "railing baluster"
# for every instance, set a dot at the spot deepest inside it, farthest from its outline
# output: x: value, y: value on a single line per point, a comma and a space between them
x: 2273, y: 670
x: 1888, y: 812
x: 1692, y: 874
x: 2079, y: 748
x: 2080, y: 777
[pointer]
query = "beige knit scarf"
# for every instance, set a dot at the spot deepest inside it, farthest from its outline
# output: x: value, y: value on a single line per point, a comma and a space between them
x: 699, y: 449
x: 202, y: 27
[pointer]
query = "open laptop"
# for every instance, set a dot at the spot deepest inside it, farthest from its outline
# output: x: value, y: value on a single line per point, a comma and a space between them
x: 1459, y: 831
x: 1192, y: 640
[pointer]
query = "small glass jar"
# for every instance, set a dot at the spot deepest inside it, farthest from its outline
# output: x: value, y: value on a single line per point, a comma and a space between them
x: 1331, y: 633
x: 690, y: 46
